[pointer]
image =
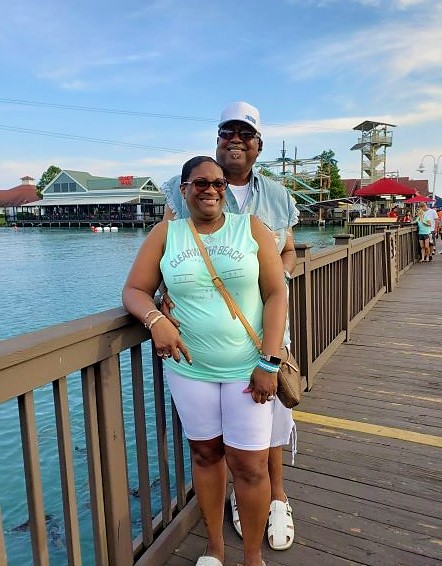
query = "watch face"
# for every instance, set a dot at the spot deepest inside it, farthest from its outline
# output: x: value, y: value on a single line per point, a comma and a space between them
x: 272, y: 359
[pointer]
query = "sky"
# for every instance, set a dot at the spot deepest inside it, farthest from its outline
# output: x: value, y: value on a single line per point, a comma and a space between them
x: 136, y: 87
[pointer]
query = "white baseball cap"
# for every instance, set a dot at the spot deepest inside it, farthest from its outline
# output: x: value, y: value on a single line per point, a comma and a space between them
x: 241, y: 112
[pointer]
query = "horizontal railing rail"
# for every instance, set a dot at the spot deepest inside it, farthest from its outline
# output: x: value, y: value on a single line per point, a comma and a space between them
x: 105, y: 379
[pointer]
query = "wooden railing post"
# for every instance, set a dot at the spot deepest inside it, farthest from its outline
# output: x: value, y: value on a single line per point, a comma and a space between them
x: 2, y: 543
x: 390, y: 261
x: 346, y: 315
x: 305, y: 361
x: 34, y: 490
x: 114, y: 463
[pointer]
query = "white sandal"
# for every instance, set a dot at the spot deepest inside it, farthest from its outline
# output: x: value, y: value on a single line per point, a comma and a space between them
x: 235, y: 514
x: 208, y: 561
x: 280, y: 532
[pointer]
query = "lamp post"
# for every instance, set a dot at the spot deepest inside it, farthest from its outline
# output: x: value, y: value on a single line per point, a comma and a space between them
x: 421, y: 169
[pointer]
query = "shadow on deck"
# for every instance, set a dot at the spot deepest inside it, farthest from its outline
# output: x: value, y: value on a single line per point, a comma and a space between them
x: 367, y: 484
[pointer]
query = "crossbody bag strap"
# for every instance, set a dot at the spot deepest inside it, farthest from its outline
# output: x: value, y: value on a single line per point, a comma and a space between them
x: 219, y: 284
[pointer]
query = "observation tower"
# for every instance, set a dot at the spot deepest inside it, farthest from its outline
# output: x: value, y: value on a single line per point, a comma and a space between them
x: 373, y: 143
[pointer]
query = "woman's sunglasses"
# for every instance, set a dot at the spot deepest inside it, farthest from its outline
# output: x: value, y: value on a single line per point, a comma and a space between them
x: 202, y: 184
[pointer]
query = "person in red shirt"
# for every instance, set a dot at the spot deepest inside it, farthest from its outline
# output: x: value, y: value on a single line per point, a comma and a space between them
x: 393, y: 213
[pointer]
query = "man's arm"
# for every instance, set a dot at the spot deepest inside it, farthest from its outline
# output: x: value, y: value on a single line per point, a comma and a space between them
x: 165, y: 304
x: 168, y: 214
x: 437, y: 223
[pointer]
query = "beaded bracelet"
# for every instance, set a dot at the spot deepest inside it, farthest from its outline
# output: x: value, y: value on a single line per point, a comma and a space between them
x: 146, y: 316
x: 154, y: 320
x: 268, y: 367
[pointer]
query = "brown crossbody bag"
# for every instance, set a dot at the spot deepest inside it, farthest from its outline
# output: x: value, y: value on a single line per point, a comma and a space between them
x: 289, y: 377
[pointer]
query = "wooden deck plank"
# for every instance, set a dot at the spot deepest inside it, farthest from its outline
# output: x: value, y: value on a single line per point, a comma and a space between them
x: 362, y: 498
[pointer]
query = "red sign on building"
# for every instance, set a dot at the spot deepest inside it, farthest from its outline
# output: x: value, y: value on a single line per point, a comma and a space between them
x: 126, y: 180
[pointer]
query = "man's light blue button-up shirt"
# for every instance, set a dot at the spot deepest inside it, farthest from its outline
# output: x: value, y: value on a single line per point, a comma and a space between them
x: 268, y: 200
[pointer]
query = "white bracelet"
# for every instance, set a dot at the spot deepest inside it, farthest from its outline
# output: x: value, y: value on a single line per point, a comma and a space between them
x: 146, y: 316
x: 154, y: 320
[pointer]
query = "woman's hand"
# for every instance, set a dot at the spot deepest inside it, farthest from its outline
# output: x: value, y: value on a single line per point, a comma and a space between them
x: 262, y: 385
x: 168, y: 342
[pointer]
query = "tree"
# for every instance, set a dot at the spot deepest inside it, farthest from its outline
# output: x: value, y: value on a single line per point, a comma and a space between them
x: 328, y: 176
x: 46, y: 178
x: 266, y: 172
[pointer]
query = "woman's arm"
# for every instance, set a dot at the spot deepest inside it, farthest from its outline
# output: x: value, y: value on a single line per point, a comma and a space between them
x: 139, y: 290
x: 274, y: 296
x: 273, y: 288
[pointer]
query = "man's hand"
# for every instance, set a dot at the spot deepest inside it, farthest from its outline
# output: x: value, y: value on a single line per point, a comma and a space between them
x: 166, y: 305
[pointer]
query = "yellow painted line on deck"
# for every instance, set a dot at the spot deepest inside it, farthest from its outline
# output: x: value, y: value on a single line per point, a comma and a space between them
x: 425, y: 354
x: 395, y: 394
x: 410, y: 352
x: 356, y: 426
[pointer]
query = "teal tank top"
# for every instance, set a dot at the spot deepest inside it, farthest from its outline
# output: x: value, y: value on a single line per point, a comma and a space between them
x: 220, y: 348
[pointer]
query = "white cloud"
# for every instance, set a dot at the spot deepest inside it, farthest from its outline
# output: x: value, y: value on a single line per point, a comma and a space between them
x: 389, y: 5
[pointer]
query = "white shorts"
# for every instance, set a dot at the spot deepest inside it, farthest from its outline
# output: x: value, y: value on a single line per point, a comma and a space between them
x: 208, y: 410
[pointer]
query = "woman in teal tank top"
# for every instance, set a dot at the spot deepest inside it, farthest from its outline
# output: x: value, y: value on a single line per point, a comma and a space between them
x: 222, y: 386
x: 423, y: 234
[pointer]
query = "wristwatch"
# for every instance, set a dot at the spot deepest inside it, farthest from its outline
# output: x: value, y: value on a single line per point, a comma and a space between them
x: 271, y: 359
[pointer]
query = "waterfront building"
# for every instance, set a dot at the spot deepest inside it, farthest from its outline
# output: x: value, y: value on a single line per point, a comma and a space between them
x: 17, y: 196
x: 78, y: 198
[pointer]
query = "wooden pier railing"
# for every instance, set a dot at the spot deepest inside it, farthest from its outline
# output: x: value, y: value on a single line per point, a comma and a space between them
x: 329, y: 294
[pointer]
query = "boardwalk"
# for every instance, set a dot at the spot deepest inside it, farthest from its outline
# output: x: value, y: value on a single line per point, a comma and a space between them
x: 367, y: 485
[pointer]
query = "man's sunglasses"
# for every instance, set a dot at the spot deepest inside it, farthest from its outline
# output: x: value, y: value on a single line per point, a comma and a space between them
x: 202, y: 184
x: 244, y: 135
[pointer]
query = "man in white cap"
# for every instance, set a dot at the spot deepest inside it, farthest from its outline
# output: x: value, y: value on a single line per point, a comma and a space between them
x: 239, y: 144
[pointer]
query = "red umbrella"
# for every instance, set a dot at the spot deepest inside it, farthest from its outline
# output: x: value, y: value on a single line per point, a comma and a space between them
x: 385, y: 187
x: 418, y: 198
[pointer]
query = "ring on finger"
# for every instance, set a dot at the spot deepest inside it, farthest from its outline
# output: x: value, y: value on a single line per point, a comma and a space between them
x: 270, y: 397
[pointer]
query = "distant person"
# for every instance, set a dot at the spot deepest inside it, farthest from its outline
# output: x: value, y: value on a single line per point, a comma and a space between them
x: 224, y: 389
x: 407, y: 216
x: 439, y: 215
x: 239, y: 144
x: 393, y: 213
x: 431, y: 215
x: 423, y: 234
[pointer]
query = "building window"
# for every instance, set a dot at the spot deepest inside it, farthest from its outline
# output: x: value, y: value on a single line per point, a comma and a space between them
x: 57, y: 188
x: 72, y: 187
x: 64, y: 187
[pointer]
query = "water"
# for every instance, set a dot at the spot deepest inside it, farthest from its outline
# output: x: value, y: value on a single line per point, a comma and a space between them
x: 319, y: 237
x: 49, y: 276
